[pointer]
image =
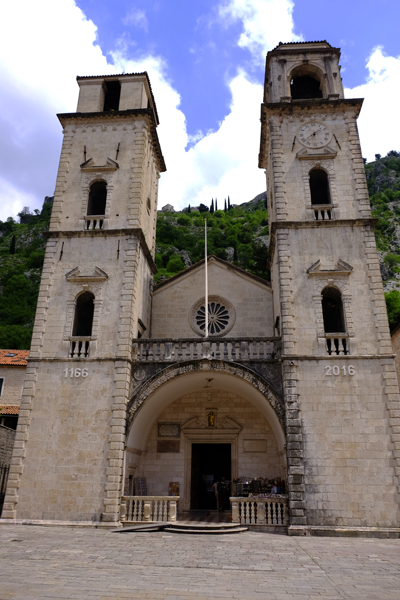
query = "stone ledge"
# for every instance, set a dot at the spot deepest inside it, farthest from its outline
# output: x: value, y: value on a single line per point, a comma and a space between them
x: 331, y: 531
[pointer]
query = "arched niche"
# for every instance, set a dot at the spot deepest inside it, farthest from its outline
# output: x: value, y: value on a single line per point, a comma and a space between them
x: 178, y: 380
x: 83, y: 318
x: 319, y: 187
x: 97, y: 199
x: 332, y: 310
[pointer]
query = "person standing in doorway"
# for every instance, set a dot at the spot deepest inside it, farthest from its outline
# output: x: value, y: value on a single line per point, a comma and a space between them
x: 218, y: 496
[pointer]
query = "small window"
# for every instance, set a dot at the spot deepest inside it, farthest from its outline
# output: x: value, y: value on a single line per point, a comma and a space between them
x: 305, y: 87
x: 332, y: 309
x: 1, y: 385
x: 84, y: 311
x: 319, y: 187
x: 112, y: 96
x: 97, y: 198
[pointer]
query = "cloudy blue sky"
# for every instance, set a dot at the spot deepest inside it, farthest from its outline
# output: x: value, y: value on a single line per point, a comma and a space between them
x: 205, y: 60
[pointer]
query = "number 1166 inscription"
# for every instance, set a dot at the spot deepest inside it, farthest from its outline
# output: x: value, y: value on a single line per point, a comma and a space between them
x: 76, y: 372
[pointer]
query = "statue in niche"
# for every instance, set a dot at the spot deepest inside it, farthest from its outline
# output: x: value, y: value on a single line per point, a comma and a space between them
x: 211, y: 419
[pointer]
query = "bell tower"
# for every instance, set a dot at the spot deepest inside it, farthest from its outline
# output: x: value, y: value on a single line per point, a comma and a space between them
x: 341, y: 392
x: 95, y: 297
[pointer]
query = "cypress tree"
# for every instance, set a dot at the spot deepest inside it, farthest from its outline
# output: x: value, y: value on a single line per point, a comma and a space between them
x: 12, y: 245
x: 216, y: 204
x: 225, y: 206
x: 212, y: 207
x: 189, y: 209
x: 235, y: 255
x: 229, y: 204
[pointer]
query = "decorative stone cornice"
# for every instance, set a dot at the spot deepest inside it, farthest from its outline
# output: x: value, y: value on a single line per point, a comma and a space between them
x: 151, y: 384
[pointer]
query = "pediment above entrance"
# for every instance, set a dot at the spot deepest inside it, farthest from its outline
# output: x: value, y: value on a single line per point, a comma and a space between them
x: 316, y: 154
x: 338, y: 268
x: 76, y: 275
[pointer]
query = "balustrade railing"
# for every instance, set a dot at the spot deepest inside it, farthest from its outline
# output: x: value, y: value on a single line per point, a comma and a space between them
x: 337, y: 343
x: 235, y: 349
x: 94, y: 222
x: 260, y: 511
x: 79, y: 347
x: 322, y: 213
x: 148, y: 509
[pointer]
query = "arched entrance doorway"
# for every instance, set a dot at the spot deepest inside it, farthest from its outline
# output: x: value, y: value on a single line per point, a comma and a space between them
x: 198, y: 422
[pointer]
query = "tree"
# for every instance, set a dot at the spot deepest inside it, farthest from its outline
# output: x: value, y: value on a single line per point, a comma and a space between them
x: 189, y: 209
x: 225, y: 206
x: 212, y: 207
x: 378, y: 156
x: 216, y: 204
x: 203, y: 208
x: 12, y: 245
x: 235, y: 255
x: 393, y: 308
x: 266, y: 202
x: 229, y: 204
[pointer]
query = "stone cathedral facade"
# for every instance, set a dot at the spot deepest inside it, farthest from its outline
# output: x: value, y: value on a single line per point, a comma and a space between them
x: 296, y: 380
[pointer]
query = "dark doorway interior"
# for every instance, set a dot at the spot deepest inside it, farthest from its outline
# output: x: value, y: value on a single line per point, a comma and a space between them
x: 210, y: 463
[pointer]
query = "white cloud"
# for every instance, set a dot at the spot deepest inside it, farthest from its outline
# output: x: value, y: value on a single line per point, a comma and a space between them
x: 43, y: 47
x: 223, y: 162
x: 379, y: 123
x: 265, y: 24
x: 137, y: 18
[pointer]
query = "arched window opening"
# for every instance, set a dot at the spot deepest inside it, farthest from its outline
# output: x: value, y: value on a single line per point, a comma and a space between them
x: 305, y: 87
x: 332, y: 309
x: 84, y: 310
x: 97, y: 198
x: 320, y: 195
x: 112, y: 96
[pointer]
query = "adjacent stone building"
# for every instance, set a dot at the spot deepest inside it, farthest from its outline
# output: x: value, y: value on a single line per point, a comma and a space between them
x: 296, y: 380
x: 12, y: 373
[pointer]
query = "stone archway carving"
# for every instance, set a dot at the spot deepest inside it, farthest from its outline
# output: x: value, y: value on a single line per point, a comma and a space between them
x: 184, y: 368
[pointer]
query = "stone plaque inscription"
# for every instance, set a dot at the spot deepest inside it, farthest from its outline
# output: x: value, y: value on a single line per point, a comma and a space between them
x: 164, y: 446
x: 170, y: 430
x: 255, y: 445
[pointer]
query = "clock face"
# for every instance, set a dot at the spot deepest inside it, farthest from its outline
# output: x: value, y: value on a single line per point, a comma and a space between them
x: 314, y: 135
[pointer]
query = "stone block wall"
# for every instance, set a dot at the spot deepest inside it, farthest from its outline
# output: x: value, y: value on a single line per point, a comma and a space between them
x: 252, y: 302
x: 12, y: 386
x: 7, y: 437
x: 348, y: 432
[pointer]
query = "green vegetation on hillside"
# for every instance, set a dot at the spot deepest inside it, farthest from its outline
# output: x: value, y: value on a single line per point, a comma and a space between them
x: 21, y: 261
x: 239, y: 235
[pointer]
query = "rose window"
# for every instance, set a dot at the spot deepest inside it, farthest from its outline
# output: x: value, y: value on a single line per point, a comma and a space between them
x: 221, y: 316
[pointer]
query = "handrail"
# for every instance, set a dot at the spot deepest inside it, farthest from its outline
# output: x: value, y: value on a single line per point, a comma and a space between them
x: 178, y: 350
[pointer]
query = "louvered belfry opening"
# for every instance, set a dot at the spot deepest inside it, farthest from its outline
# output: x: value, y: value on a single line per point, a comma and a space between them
x: 84, y: 311
x: 305, y: 87
x: 97, y: 198
x: 332, y: 309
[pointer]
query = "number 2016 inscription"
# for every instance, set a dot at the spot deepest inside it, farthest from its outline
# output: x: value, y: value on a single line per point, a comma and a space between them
x: 347, y: 370
x: 76, y: 372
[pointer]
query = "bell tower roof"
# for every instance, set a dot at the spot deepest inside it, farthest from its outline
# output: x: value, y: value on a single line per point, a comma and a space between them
x: 302, y: 71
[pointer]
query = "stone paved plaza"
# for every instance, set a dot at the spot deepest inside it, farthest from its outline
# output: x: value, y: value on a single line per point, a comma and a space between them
x: 61, y: 562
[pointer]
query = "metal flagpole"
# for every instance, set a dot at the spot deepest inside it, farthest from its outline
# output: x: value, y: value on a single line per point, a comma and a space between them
x: 205, y: 268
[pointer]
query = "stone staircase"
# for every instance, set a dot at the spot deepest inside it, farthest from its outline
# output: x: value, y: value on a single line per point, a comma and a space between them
x: 182, y: 527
